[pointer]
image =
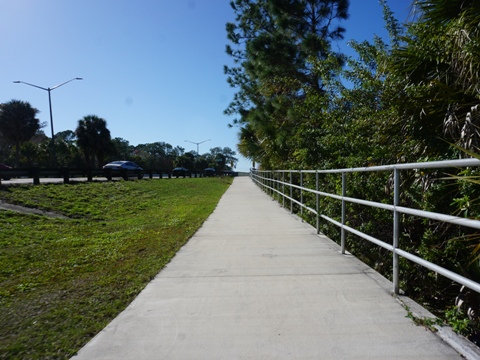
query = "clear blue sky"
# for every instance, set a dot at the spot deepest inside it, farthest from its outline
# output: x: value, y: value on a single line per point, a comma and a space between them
x: 153, y: 69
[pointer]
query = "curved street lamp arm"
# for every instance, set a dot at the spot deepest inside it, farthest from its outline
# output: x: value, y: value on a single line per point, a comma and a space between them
x: 197, y: 143
x: 47, y: 89
x: 66, y: 82
x: 23, y: 82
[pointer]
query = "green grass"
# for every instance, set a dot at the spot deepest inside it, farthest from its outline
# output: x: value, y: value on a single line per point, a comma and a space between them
x: 63, y: 280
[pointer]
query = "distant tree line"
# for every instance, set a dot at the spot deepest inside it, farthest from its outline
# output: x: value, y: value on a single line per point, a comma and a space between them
x: 24, y: 144
x: 301, y: 104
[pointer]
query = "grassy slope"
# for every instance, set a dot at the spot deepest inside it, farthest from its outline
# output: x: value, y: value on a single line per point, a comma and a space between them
x: 63, y: 280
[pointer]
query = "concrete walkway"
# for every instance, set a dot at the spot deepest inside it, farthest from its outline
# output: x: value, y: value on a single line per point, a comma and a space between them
x: 257, y: 283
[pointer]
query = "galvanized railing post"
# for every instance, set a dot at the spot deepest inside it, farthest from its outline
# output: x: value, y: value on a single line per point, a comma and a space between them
x: 265, y: 181
x: 396, y: 229
x: 283, y: 189
x: 279, y: 190
x: 273, y: 184
x: 301, y: 193
x: 269, y: 183
x: 265, y: 185
x: 317, y: 202
x: 291, y: 193
x: 344, y: 192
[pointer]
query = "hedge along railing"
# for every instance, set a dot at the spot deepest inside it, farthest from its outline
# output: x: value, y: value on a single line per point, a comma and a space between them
x: 267, y: 180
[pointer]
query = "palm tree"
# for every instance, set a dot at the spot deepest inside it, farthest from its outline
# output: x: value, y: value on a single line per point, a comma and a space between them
x: 18, y: 124
x: 440, y: 60
x: 93, y: 138
x: 446, y: 35
x: 249, y: 145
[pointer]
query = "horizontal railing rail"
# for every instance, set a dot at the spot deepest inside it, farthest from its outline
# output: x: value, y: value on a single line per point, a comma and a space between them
x: 273, y: 182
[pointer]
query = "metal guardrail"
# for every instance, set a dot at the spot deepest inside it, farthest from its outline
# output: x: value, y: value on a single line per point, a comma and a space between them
x: 67, y: 174
x: 268, y: 181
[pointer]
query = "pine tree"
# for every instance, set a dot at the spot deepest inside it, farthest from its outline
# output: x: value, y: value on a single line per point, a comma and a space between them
x: 274, y: 44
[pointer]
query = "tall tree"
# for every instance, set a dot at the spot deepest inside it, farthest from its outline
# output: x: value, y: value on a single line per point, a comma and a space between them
x: 94, y: 139
x: 366, y: 117
x: 44, y: 144
x: 186, y: 160
x: 18, y: 124
x: 273, y: 43
x: 225, y: 156
x: 154, y: 155
x: 67, y: 152
x: 121, y: 149
x: 249, y: 145
x: 5, y: 149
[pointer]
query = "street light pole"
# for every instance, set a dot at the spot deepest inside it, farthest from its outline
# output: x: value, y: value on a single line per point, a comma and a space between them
x: 197, y: 143
x: 54, y: 160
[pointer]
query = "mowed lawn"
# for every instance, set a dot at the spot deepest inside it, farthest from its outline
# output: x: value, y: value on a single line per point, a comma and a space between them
x: 63, y: 279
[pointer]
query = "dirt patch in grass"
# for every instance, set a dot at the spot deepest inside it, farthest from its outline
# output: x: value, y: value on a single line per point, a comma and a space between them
x: 27, y: 210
